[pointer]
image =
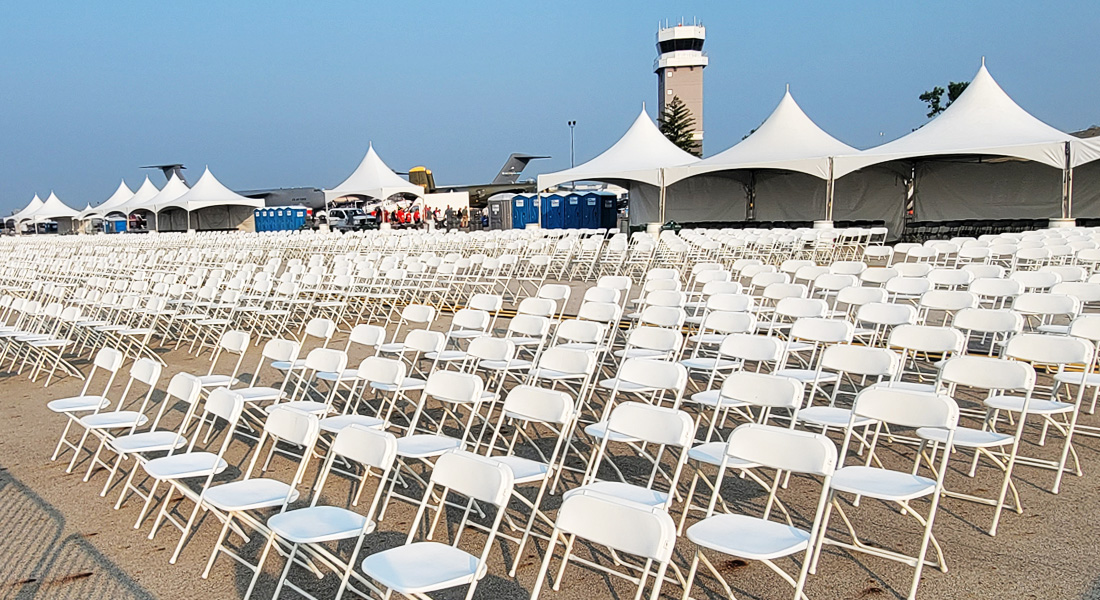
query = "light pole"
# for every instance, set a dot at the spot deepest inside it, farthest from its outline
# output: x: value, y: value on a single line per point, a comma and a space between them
x: 572, y: 161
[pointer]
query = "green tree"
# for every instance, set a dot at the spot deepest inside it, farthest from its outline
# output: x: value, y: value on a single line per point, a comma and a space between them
x: 678, y: 125
x: 934, y: 97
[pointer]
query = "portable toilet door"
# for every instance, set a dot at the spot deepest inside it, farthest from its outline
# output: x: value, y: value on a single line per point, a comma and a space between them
x: 519, y: 211
x: 590, y: 211
x: 299, y: 219
x: 573, y: 218
x: 553, y: 212
x: 609, y: 214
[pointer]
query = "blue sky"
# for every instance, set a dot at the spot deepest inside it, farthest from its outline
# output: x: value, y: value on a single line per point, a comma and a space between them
x: 272, y: 94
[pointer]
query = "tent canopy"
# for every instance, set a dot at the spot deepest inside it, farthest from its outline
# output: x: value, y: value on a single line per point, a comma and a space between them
x: 143, y: 194
x: 984, y: 120
x: 52, y: 208
x: 120, y: 197
x: 374, y: 179
x: 171, y: 190
x: 639, y: 155
x: 787, y: 140
x: 207, y: 192
x: 33, y: 205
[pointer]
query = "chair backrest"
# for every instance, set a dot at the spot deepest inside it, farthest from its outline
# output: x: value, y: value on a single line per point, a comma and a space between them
x: 987, y: 373
x: 577, y: 331
x: 1050, y: 349
x: 474, y: 476
x: 567, y: 360
x: 145, y: 370
x: 418, y: 313
x: 860, y: 360
x: 541, y: 307
x: 423, y: 340
x: 927, y: 338
x: 950, y: 300
x: 652, y: 424
x: 487, y: 302
x: 906, y: 408
x: 377, y: 369
x: 365, y: 334
x: 321, y: 328
x: 987, y: 320
x: 453, y: 386
x: 277, y: 349
x: 885, y: 313
x: 783, y: 449
x: 326, y: 360
x: 235, y: 342
x: 1039, y: 303
x: 827, y: 331
x: 763, y: 390
x: 491, y: 348
x: 654, y: 374
x: 634, y: 529
x: 729, y: 322
x: 109, y: 359
x: 368, y: 447
x: 470, y: 318
x: 752, y: 348
x: 530, y: 403
x: 655, y: 338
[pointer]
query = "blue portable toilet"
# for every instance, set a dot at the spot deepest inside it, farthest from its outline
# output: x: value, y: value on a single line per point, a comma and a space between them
x: 590, y: 210
x: 573, y: 208
x: 519, y: 211
x: 114, y: 225
x: 299, y: 218
x: 553, y: 211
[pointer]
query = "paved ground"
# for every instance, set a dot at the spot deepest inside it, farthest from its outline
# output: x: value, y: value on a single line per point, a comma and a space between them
x: 59, y: 539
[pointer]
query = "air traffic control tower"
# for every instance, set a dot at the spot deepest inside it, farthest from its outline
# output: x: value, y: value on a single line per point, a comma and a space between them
x: 679, y: 67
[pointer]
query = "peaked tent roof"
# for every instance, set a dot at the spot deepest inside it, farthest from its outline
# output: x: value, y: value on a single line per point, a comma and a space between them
x: 639, y: 155
x: 788, y: 140
x: 53, y: 208
x: 374, y: 179
x: 142, y: 195
x: 208, y: 191
x: 983, y: 120
x: 120, y: 197
x: 33, y: 205
x: 171, y: 190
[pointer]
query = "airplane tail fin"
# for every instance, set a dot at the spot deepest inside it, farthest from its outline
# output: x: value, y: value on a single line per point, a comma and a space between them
x: 512, y: 168
x: 423, y: 177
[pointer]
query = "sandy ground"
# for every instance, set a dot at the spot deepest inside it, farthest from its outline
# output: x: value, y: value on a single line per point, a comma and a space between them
x: 60, y: 539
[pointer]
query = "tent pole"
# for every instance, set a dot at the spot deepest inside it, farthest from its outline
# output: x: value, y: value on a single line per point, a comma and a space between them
x: 539, y: 206
x: 750, y: 210
x: 1067, y: 185
x: 830, y: 187
x: 661, y: 182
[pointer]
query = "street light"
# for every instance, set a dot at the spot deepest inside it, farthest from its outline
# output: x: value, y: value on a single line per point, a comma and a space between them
x: 572, y: 161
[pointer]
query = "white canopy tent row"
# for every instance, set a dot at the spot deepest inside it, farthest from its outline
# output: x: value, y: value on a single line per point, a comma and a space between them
x: 52, y: 209
x: 373, y: 179
x: 173, y: 189
x: 790, y: 169
x: 33, y: 205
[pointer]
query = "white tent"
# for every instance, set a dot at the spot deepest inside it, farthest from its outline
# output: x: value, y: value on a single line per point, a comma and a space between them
x: 174, y: 188
x: 146, y: 192
x: 120, y: 197
x: 641, y: 155
x: 966, y: 161
x: 209, y: 193
x: 53, y: 208
x: 788, y: 140
x: 33, y: 205
x: 983, y: 120
x: 372, y: 178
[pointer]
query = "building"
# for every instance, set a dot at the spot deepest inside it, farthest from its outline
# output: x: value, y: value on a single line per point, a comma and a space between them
x: 679, y: 67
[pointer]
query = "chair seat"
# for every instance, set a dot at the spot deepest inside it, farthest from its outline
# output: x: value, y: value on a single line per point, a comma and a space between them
x: 114, y: 419
x: 525, y: 341
x: 599, y: 431
x: 713, y: 397
x: 249, y: 494
x: 965, y: 437
x: 189, y: 464
x: 748, y: 537
x: 1057, y: 329
x: 702, y: 363
x: 78, y: 404
x: 503, y: 365
x: 137, y: 331
x: 626, y: 386
x: 307, y: 406
x: 34, y: 337
x: 465, y: 334
x: 392, y: 348
x: 634, y: 494
x: 51, y: 343
x: 1037, y: 405
x: 315, y: 524
x: 260, y: 394
x: 911, y: 386
x: 553, y: 375
x: 148, y: 441
x: 524, y: 470
x: 708, y: 338
x: 446, y: 355
x: 712, y: 453
x: 422, y: 567
x: 640, y: 353
x: 883, y: 484
x: 284, y: 365
x: 213, y: 322
x: 1090, y: 379
x: 340, y: 422
x: 830, y: 416
x: 345, y: 375
x: 209, y: 381
x: 806, y: 375
x: 426, y: 445
x: 410, y: 383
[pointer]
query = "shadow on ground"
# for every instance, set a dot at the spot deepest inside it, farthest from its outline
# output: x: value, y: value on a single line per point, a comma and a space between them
x: 40, y: 559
